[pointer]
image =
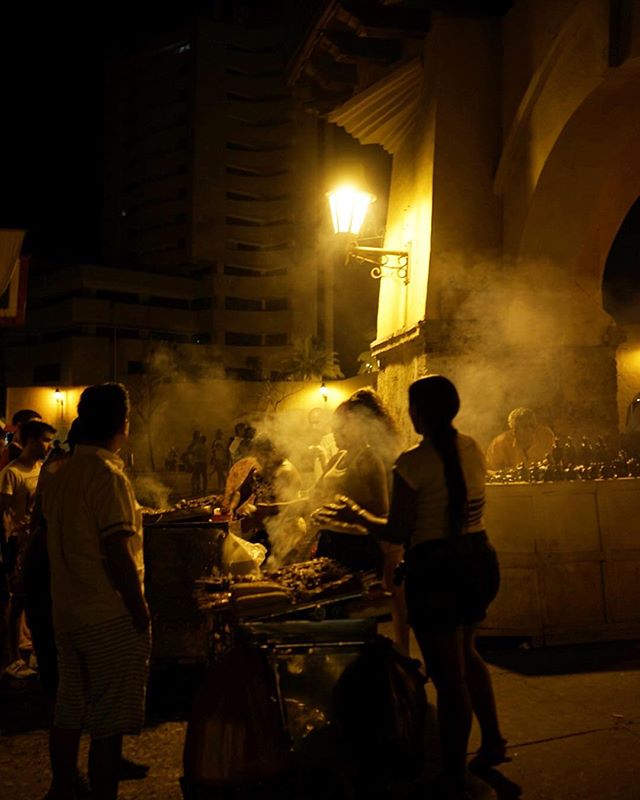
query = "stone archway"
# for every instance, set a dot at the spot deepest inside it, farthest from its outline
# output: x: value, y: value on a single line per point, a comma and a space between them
x: 589, y: 181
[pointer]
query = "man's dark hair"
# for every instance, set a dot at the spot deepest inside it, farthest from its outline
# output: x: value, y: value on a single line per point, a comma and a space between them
x: 34, y: 429
x: 75, y: 435
x: 103, y: 410
x: 24, y: 415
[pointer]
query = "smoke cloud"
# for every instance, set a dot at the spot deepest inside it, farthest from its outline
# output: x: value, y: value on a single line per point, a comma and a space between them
x: 525, y: 335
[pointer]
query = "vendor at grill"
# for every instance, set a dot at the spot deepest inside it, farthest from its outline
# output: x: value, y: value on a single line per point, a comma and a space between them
x: 358, y: 472
x: 526, y: 441
x: 263, y: 501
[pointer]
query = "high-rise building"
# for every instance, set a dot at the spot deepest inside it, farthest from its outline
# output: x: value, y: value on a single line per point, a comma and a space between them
x: 213, y: 197
x: 210, y: 192
x: 211, y: 171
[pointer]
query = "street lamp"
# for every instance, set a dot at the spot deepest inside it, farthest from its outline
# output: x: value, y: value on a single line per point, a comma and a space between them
x: 349, y: 206
x: 58, y: 396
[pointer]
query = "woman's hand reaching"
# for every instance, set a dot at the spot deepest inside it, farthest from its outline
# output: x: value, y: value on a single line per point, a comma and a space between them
x: 341, y: 516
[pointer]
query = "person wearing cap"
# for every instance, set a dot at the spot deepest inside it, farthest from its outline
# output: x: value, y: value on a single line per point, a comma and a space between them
x: 14, y: 435
x: 18, y: 481
x: 526, y: 441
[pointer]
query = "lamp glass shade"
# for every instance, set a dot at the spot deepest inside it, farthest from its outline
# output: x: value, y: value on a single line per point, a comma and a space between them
x: 349, y: 208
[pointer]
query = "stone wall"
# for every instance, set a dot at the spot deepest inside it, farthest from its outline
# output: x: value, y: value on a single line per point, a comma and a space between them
x: 569, y: 387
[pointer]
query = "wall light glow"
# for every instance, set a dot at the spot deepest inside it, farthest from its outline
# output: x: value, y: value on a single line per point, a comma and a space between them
x: 349, y: 207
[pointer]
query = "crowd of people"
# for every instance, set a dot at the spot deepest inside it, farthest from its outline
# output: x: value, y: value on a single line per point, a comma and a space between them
x: 209, y: 464
x: 74, y: 574
x: 71, y: 590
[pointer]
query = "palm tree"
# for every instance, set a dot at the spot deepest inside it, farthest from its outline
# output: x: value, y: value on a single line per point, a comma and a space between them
x: 148, y: 393
x: 309, y: 360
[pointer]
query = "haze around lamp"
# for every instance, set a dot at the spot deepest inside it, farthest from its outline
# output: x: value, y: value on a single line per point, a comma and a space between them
x: 349, y: 207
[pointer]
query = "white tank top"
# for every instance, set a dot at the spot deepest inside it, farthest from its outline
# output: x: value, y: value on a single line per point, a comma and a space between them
x: 422, y: 469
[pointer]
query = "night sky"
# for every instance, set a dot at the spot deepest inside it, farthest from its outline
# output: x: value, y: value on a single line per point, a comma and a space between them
x: 52, y: 77
x: 51, y: 130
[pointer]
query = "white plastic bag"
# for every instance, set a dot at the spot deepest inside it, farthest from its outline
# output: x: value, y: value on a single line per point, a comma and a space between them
x: 240, y: 557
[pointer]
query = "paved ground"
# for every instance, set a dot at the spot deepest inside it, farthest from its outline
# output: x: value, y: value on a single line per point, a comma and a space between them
x: 571, y: 714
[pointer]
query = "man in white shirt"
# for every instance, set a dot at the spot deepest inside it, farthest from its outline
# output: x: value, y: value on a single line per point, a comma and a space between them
x: 18, y: 482
x: 525, y: 442
x: 100, y: 616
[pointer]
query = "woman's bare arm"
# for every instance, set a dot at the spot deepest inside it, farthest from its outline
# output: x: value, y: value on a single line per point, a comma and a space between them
x: 392, y: 531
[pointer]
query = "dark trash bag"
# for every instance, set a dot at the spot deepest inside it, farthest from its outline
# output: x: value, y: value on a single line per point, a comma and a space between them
x: 380, y: 706
x: 234, y: 734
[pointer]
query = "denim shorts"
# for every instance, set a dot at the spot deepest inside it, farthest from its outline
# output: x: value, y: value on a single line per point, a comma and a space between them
x: 450, y: 582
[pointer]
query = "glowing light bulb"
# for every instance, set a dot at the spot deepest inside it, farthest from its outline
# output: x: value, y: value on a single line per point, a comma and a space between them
x: 349, y: 207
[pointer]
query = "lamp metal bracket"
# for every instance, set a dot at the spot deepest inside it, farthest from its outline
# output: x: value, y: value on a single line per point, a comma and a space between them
x: 382, y: 260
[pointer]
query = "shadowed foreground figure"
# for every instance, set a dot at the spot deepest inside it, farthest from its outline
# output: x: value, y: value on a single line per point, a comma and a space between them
x: 450, y: 573
x: 37, y: 580
x: 101, y: 619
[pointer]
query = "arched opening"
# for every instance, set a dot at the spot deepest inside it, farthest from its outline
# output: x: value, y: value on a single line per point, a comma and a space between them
x: 589, y: 184
x: 621, y: 279
x: 621, y: 299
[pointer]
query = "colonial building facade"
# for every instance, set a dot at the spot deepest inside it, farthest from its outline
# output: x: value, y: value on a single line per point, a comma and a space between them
x: 513, y: 132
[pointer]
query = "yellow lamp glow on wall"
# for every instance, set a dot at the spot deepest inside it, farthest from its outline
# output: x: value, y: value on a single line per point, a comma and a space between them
x: 58, y: 398
x: 349, y: 207
x: 324, y: 391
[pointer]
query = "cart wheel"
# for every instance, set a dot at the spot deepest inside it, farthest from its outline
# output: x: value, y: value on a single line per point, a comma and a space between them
x: 318, y: 614
x: 337, y: 611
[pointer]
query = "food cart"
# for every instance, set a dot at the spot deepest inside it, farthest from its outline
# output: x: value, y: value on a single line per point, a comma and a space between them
x: 181, y: 544
x: 569, y: 553
x: 197, y: 607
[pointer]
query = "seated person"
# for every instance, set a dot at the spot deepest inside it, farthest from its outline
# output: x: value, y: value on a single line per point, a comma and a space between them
x: 526, y: 442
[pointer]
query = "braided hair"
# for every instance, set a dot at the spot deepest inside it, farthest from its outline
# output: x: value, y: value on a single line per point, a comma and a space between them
x: 434, y: 402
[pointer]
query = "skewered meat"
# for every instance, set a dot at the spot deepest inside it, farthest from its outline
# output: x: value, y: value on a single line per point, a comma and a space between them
x: 245, y: 588
x: 305, y: 582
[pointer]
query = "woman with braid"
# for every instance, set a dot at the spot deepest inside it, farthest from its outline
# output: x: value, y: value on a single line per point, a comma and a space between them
x: 450, y: 572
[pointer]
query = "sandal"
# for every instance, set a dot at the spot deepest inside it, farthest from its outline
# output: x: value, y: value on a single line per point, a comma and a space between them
x: 490, y: 756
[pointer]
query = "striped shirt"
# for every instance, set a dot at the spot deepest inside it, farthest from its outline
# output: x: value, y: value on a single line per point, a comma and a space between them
x: 89, y: 499
x: 422, y: 469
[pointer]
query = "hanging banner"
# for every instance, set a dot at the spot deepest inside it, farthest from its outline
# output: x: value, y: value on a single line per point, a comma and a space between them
x: 13, y: 301
x: 10, y: 246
